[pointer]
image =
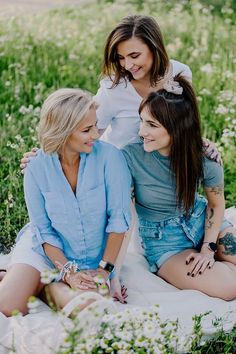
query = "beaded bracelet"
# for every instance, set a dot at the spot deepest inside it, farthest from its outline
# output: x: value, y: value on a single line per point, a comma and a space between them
x: 68, y: 268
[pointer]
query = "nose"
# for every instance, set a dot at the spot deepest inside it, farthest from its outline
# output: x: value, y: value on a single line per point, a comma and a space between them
x: 95, y: 134
x: 128, y: 63
x: 142, y: 131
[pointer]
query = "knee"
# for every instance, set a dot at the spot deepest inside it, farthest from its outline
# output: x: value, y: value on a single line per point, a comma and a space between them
x: 229, y: 293
x: 7, y: 306
x: 9, y: 310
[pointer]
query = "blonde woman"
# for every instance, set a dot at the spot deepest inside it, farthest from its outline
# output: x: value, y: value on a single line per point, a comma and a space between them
x: 78, y: 205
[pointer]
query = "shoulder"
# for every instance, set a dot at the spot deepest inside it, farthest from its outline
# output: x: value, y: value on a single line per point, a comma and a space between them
x: 133, y: 147
x: 39, y: 159
x: 133, y: 151
x: 107, y: 84
x: 211, y: 165
x: 106, y: 149
x: 179, y: 67
x: 213, y: 172
x: 39, y: 166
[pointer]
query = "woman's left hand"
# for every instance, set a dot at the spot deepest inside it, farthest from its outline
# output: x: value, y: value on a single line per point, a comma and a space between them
x: 118, y: 291
x: 199, y: 262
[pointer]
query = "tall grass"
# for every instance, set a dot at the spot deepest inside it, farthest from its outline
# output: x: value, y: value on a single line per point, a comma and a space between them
x: 63, y: 48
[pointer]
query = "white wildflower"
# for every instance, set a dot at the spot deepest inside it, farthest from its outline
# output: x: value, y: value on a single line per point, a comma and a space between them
x: 207, y: 68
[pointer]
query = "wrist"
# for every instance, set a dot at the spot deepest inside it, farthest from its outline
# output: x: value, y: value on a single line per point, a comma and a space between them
x: 211, y: 247
x: 107, y: 267
x: 68, y: 269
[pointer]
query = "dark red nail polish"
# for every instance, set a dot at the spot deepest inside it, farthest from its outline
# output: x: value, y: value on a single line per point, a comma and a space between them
x: 188, y: 273
x: 192, y: 275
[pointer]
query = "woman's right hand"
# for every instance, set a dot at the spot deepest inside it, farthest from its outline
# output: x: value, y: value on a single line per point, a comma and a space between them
x: 80, y: 280
x: 25, y: 160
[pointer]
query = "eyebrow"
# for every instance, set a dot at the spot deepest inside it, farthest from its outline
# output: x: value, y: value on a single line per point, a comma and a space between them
x: 151, y: 121
x: 132, y: 53
x: 90, y: 126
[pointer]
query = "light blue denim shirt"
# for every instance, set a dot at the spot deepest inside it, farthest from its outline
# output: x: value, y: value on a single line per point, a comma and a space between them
x: 78, y: 223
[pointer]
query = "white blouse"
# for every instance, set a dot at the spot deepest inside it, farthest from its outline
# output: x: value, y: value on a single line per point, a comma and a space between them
x: 118, y: 108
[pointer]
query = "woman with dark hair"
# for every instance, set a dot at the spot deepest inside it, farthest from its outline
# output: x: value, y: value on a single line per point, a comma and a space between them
x: 135, y: 64
x: 186, y: 240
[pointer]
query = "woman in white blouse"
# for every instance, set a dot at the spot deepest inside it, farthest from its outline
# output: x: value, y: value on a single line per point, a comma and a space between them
x: 135, y: 63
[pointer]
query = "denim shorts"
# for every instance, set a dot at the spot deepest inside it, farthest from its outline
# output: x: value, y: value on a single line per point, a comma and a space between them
x: 163, y: 239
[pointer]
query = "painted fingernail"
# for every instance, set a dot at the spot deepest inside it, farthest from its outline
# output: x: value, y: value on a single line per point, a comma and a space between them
x: 200, y: 272
x: 209, y: 267
x: 192, y: 275
x: 186, y: 262
x: 125, y: 302
x: 188, y: 273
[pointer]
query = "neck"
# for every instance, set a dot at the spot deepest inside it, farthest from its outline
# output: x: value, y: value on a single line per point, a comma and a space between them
x: 69, y: 158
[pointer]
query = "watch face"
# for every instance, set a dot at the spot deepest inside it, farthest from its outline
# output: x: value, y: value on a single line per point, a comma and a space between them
x: 213, y: 246
x: 109, y: 267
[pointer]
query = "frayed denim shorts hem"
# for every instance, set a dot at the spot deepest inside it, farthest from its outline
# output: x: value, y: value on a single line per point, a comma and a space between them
x: 164, y: 239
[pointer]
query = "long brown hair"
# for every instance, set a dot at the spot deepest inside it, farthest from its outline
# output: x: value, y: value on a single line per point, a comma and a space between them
x: 147, y: 30
x: 180, y: 116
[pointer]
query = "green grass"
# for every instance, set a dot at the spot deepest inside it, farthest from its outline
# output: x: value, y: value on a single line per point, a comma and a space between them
x: 63, y: 48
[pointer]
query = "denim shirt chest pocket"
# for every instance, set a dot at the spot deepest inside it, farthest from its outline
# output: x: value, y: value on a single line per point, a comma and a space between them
x: 93, y: 201
x: 55, y: 208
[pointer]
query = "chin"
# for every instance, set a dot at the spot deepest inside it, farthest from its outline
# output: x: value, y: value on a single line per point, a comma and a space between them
x: 148, y: 148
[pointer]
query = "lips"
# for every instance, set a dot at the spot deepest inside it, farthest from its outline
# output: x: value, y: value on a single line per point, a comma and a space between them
x: 146, y: 141
x: 90, y: 144
x: 133, y: 72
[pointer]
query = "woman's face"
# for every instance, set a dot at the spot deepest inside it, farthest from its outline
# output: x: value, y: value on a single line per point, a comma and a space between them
x: 154, y: 134
x: 84, y: 137
x: 135, y: 57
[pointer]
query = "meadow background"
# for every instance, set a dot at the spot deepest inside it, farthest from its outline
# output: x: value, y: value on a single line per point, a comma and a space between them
x: 63, y: 48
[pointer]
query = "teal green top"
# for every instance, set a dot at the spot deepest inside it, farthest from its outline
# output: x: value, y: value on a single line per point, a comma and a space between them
x: 154, y: 183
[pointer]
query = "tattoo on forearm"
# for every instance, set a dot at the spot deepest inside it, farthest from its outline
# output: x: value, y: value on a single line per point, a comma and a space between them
x: 219, y: 190
x: 209, y: 216
x: 229, y: 243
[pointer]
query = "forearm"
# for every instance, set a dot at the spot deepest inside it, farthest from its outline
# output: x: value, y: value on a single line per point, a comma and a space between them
x: 113, y: 247
x: 55, y: 254
x: 213, y: 221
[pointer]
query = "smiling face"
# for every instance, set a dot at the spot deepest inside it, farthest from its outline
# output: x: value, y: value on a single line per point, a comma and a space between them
x: 135, y: 57
x: 155, y: 136
x: 83, y: 137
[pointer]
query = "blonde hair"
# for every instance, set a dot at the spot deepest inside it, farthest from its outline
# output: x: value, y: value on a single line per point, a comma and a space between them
x: 61, y: 114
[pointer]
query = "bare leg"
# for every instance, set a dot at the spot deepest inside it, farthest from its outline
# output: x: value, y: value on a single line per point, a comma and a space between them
x: 227, y: 245
x: 20, y: 282
x: 219, y: 281
x: 61, y: 294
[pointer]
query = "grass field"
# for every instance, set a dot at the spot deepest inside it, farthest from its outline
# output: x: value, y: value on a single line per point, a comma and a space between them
x: 63, y: 48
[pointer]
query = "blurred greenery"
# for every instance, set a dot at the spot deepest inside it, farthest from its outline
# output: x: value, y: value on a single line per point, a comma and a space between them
x: 63, y: 48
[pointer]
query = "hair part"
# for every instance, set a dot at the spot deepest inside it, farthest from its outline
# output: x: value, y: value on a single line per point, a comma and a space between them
x: 147, y: 30
x: 61, y: 113
x: 180, y: 116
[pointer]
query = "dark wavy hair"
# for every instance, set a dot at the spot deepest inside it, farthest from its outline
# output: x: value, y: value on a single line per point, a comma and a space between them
x: 147, y: 30
x: 180, y: 116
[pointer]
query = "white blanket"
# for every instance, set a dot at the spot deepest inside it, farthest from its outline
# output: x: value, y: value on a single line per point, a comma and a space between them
x: 35, y: 333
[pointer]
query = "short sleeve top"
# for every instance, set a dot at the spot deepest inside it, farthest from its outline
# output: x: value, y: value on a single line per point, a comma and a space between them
x: 154, y: 182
